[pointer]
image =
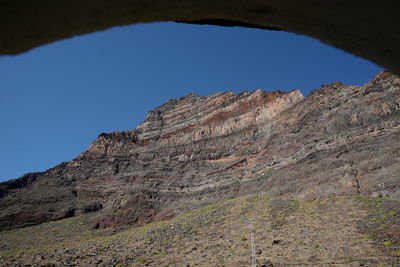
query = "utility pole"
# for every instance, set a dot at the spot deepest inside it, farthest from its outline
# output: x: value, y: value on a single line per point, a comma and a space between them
x: 253, y: 245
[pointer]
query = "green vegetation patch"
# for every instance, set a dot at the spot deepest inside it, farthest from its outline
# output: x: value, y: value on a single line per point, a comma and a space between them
x: 48, y: 236
x: 382, y: 223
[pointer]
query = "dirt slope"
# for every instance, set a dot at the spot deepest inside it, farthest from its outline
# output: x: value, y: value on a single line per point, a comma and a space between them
x: 337, y: 231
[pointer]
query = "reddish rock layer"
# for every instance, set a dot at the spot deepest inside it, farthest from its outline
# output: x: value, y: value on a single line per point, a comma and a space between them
x: 195, y: 150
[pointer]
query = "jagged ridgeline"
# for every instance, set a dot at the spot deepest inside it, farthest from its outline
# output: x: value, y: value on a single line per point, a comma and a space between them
x: 197, y: 150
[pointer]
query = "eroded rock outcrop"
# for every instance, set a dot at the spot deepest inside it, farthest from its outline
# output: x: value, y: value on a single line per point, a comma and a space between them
x: 196, y: 150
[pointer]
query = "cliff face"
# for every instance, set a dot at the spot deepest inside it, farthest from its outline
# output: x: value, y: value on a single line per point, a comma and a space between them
x: 195, y: 150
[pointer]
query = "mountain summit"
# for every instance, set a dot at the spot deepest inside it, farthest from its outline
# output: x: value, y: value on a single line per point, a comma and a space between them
x: 342, y: 140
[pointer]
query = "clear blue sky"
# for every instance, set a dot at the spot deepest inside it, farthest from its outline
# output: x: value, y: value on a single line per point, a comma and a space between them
x: 56, y: 99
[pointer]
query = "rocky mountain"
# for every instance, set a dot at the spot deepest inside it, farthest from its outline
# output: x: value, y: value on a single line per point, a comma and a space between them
x: 198, y: 150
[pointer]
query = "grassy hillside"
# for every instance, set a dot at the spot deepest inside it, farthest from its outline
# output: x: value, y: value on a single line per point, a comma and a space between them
x: 330, y: 232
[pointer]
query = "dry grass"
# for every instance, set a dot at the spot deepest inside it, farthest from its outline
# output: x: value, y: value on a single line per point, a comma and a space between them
x: 288, y: 233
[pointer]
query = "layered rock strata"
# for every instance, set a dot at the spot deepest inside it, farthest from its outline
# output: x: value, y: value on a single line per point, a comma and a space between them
x: 196, y: 150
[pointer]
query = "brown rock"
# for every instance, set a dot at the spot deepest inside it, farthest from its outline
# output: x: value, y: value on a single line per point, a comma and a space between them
x: 196, y: 150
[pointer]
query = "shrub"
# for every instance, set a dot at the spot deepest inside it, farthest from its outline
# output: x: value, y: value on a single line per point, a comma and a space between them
x: 141, y: 259
x: 387, y: 243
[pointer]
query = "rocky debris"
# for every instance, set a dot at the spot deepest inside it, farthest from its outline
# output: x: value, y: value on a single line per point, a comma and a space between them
x: 325, y: 232
x: 197, y: 150
x: 382, y: 225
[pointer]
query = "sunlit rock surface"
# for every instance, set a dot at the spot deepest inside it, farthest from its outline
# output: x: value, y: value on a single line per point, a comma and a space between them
x: 196, y: 150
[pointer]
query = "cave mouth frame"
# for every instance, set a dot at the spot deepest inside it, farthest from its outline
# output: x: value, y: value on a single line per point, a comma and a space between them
x: 359, y: 27
x: 225, y: 23
x: 20, y: 36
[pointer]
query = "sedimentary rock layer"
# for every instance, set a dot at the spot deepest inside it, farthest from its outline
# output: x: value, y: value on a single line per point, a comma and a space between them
x: 196, y: 150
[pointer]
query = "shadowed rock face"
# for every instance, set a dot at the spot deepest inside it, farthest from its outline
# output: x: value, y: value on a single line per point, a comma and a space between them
x: 196, y: 150
x: 363, y: 27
